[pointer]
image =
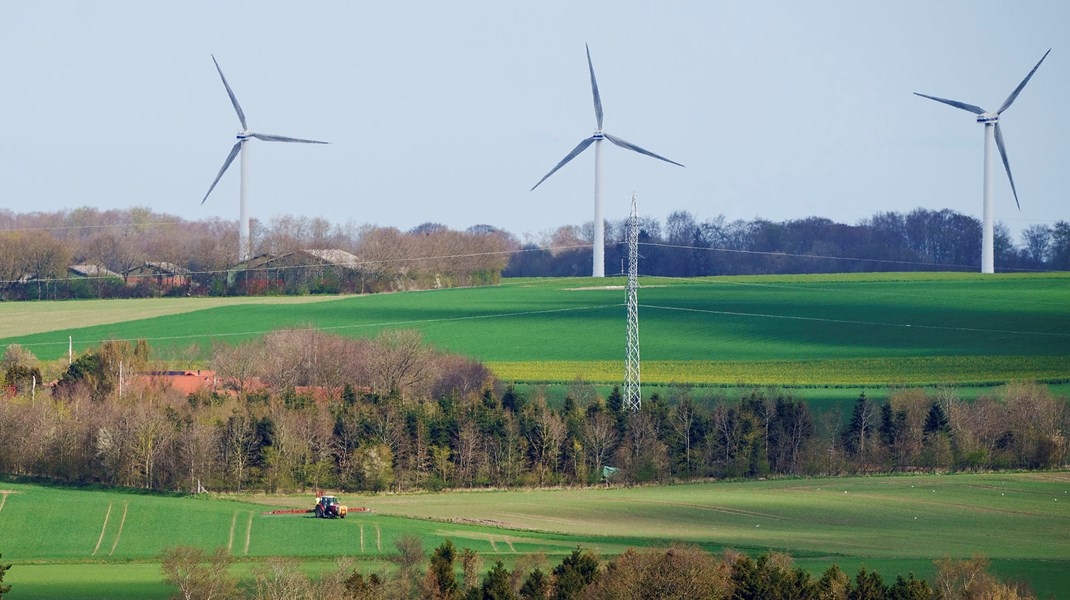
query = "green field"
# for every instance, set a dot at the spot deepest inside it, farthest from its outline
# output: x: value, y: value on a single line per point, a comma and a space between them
x: 868, y: 329
x: 892, y: 524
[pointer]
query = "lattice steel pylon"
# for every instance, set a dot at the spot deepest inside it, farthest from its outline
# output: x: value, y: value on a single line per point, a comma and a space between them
x: 633, y: 396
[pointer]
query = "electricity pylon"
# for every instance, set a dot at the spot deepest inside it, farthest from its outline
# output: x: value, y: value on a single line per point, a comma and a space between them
x: 633, y: 396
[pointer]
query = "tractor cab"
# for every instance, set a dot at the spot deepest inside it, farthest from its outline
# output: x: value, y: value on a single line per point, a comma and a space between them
x: 328, y: 507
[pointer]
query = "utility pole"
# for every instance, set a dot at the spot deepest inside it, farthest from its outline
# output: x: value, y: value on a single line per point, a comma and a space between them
x: 633, y: 396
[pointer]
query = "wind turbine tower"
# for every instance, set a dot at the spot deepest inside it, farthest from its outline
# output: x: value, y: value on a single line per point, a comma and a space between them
x: 244, y: 136
x: 599, y: 268
x: 992, y: 133
x: 633, y: 396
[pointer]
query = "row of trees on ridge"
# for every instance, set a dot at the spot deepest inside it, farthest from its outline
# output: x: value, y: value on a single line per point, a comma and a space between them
x: 304, y: 409
x: 36, y: 250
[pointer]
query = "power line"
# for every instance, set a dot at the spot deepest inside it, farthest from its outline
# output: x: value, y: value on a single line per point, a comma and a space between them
x: 726, y: 280
x: 268, y: 269
x: 106, y: 226
x: 333, y: 327
x: 852, y: 322
x: 499, y: 315
x: 827, y: 257
x: 372, y: 262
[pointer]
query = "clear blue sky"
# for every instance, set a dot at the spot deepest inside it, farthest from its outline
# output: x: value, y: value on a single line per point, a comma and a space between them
x: 451, y: 111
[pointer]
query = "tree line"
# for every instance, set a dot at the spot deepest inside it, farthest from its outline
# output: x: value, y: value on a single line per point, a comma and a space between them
x: 302, y: 409
x: 678, y: 572
x: 36, y: 250
x: 682, y: 246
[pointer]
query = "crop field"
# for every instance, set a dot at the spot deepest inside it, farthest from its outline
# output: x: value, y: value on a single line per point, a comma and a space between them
x: 109, y: 541
x: 24, y: 318
x: 901, y: 371
x: 874, y: 329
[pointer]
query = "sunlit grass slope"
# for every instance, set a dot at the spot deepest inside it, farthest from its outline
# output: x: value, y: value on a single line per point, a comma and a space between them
x: 891, y: 524
x: 718, y: 330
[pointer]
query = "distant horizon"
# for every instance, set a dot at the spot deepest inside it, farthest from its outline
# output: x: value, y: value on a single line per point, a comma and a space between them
x: 524, y: 237
x: 453, y: 112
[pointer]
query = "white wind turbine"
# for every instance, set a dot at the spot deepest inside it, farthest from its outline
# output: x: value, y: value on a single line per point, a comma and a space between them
x: 599, y: 269
x: 992, y: 132
x: 244, y: 249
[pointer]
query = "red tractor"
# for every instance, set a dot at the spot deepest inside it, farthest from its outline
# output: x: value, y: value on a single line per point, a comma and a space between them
x: 327, y: 507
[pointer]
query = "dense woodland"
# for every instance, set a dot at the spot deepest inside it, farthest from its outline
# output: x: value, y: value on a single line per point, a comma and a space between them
x: 36, y: 250
x: 302, y: 409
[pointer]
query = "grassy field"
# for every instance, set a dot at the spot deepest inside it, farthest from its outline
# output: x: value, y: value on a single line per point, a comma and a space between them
x: 25, y: 318
x: 874, y: 329
x: 107, y: 541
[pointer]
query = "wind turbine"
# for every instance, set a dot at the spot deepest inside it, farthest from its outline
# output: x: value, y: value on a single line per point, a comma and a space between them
x: 992, y: 132
x: 244, y: 250
x: 599, y: 269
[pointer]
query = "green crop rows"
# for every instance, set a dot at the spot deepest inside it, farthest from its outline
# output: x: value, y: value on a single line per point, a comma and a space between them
x: 957, y: 370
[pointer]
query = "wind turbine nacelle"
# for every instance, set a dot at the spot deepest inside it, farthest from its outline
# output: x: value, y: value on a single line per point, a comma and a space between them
x: 243, y: 135
x: 988, y: 117
x: 598, y: 135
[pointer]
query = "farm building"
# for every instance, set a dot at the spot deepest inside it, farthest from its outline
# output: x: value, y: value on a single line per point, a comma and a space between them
x: 164, y: 275
x: 91, y: 272
x: 300, y: 271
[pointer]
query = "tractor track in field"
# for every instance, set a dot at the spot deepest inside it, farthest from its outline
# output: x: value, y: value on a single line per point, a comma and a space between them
x: 720, y: 509
x: 248, y: 533
x: 958, y: 505
x: 230, y: 538
x: 3, y: 499
x: 569, y: 522
x: 126, y: 506
x: 103, y: 528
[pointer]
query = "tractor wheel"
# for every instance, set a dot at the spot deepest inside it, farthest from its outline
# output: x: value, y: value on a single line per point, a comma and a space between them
x: 319, y: 512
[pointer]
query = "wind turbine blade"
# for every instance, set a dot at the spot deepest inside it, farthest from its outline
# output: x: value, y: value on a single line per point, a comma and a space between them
x: 1006, y: 165
x: 1018, y: 90
x: 634, y: 148
x: 279, y: 138
x: 230, y: 92
x: 594, y: 90
x: 575, y: 151
x: 230, y: 158
x: 977, y: 110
